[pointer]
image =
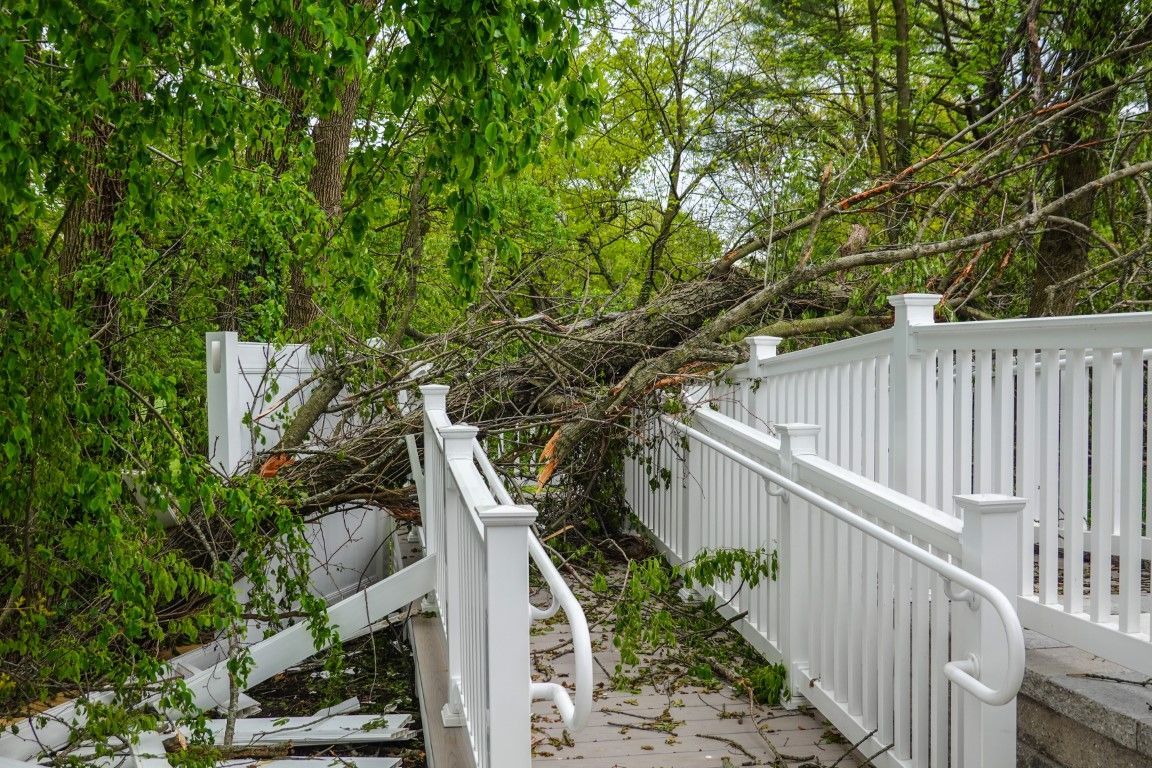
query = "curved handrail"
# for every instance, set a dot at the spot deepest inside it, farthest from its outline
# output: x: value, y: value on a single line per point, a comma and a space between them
x: 501, y: 495
x: 963, y: 673
x: 574, y: 712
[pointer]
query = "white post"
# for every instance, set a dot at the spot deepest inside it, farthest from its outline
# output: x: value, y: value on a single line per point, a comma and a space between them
x: 457, y: 446
x: 509, y: 630
x: 906, y: 405
x: 760, y: 349
x: 990, y: 550
x: 225, y: 411
x: 795, y: 440
x: 435, y: 399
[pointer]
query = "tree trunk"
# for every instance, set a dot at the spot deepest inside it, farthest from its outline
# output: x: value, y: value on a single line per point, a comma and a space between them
x: 86, y: 234
x: 903, y: 154
x: 411, y: 257
x: 330, y: 138
x: 1063, y: 250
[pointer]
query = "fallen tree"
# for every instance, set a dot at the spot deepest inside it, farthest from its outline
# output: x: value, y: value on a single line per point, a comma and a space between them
x: 571, y: 382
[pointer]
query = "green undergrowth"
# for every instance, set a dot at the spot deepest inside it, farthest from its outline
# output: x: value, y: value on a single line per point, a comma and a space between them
x: 664, y: 640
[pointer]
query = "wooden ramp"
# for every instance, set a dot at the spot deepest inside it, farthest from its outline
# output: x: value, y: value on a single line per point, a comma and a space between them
x: 688, y: 727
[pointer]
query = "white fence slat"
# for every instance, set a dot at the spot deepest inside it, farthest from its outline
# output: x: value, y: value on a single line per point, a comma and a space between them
x: 883, y: 445
x: 931, y: 443
x: 885, y: 726
x: 964, y: 398
x: 312, y: 730
x: 946, y: 409
x: 1026, y: 472
x: 1130, y: 459
x: 1103, y: 484
x: 1004, y: 412
x: 940, y: 654
x: 1048, y: 500
x: 1074, y: 475
x: 921, y: 702
x: 856, y: 621
x: 869, y: 640
x: 902, y: 721
x: 983, y: 425
x: 845, y: 633
x: 817, y: 635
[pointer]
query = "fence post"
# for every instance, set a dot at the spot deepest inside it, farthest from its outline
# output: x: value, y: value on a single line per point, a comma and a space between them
x: 225, y: 411
x: 435, y: 400
x: 457, y: 446
x: 760, y: 349
x: 990, y: 545
x: 906, y: 405
x: 509, y: 631
x: 795, y: 558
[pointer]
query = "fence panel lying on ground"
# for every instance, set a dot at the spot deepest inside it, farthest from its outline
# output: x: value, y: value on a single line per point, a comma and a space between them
x: 484, y: 543
x: 880, y: 601
x: 1054, y: 410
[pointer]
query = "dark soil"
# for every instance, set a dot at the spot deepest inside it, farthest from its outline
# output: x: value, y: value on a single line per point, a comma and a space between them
x: 377, y: 669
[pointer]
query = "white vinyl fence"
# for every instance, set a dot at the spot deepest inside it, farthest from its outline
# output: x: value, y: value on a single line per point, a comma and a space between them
x: 881, y: 600
x: 253, y: 390
x: 1053, y: 410
x: 483, y: 543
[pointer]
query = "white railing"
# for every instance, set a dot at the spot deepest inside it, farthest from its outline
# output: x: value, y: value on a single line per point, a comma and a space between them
x: 863, y: 613
x: 1054, y: 410
x: 483, y: 542
x: 841, y: 386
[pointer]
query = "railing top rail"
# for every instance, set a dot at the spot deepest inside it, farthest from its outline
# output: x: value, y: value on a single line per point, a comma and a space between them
x: 473, y: 490
x: 917, y: 519
x: 1132, y: 330
x: 750, y: 441
x: 959, y: 672
x: 870, y: 345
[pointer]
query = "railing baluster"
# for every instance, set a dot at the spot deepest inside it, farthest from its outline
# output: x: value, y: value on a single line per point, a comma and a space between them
x: 1003, y: 413
x: 1130, y: 458
x: 885, y: 664
x: 869, y: 635
x: 1074, y: 475
x: 902, y: 720
x: 964, y: 402
x: 983, y: 426
x: 940, y: 654
x: 946, y: 413
x: 1103, y: 483
x: 931, y: 439
x: 1049, y: 498
x: 856, y: 622
x: 921, y: 702
x: 1026, y: 483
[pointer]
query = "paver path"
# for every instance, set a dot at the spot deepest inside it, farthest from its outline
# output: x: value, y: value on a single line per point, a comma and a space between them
x: 685, y: 726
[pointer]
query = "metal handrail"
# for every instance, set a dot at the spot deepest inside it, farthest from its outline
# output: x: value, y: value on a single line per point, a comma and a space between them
x: 574, y: 712
x: 964, y: 672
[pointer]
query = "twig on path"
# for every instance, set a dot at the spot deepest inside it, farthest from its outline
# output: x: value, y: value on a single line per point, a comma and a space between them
x: 732, y: 743
x: 854, y: 747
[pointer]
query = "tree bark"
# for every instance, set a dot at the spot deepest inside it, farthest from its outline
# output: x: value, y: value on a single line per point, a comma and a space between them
x: 331, y: 137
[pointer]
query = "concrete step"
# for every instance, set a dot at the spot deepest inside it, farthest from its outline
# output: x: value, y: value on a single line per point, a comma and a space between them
x: 1076, y: 710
